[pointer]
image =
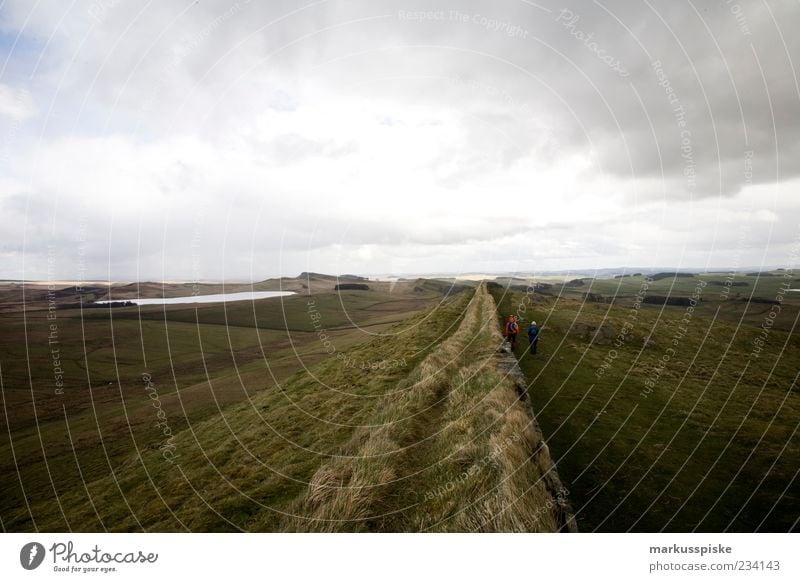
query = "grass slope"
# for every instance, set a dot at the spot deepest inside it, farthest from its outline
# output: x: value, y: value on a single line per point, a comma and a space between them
x: 52, y: 443
x: 663, y: 428
x: 450, y: 449
x: 414, y: 430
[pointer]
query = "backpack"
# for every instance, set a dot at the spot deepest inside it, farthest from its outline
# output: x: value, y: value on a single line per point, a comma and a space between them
x: 512, y: 327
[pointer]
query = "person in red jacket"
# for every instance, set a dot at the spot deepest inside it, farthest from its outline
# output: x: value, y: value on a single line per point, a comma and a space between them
x: 512, y: 329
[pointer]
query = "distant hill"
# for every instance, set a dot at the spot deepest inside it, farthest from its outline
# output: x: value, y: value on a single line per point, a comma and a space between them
x: 313, y: 275
x: 659, y: 276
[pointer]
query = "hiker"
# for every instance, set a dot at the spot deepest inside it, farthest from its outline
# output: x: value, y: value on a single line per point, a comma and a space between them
x: 512, y: 328
x: 533, y: 336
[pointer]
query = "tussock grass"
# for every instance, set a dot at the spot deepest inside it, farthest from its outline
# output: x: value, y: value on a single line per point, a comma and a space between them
x: 440, y: 444
x: 454, y: 450
x: 243, y: 465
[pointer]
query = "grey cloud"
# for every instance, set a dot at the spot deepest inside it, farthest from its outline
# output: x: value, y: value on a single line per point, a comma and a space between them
x: 292, y: 148
x: 710, y: 59
x: 520, y: 83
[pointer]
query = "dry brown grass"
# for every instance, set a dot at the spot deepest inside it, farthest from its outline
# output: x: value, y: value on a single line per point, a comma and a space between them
x: 453, y: 449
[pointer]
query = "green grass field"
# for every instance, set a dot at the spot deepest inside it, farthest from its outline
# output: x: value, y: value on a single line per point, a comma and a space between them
x: 200, y: 361
x: 385, y: 410
x: 659, y: 421
x: 408, y: 426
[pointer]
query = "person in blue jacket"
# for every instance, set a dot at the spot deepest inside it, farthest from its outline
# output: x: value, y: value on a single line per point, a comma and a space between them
x: 533, y: 336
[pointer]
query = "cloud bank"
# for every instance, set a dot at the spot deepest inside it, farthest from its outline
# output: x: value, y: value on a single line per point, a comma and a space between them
x: 242, y: 140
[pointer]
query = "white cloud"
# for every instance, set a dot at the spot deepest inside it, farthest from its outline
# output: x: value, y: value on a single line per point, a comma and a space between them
x: 16, y: 102
x: 340, y: 137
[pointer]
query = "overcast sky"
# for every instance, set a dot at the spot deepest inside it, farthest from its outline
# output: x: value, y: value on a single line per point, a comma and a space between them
x: 243, y: 140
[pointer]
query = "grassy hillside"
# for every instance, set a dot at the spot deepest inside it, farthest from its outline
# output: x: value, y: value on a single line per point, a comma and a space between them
x: 661, y: 418
x: 450, y: 449
x: 414, y: 429
x: 730, y: 287
x: 198, y: 363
